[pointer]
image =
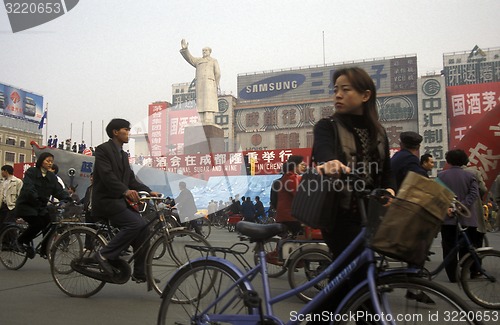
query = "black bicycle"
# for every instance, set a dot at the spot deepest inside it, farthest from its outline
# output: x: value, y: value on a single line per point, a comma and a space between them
x: 78, y: 274
x: 13, y: 255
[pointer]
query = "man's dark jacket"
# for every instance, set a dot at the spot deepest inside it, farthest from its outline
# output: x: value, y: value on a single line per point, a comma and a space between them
x: 403, y: 162
x: 112, y: 178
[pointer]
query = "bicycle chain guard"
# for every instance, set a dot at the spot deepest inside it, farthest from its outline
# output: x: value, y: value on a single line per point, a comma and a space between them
x: 89, y: 267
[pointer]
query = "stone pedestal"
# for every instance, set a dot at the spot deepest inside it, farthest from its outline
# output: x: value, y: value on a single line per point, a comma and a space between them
x: 203, y: 139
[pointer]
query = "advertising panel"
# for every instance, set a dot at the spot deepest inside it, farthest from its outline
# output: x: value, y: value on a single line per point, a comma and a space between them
x: 472, y: 67
x: 432, y: 119
x: 21, y: 104
x: 467, y: 104
x: 481, y: 145
x: 178, y: 119
x: 389, y: 75
x: 267, y: 162
x: 157, y: 117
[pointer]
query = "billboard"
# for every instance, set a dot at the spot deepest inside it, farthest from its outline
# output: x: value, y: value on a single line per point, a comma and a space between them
x: 18, y: 103
x: 472, y: 67
x: 266, y: 162
x: 179, y: 117
x: 157, y: 128
x: 467, y: 104
x: 433, y: 119
x: 312, y: 83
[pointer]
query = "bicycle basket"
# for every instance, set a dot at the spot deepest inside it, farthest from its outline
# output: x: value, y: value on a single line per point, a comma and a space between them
x: 413, y: 220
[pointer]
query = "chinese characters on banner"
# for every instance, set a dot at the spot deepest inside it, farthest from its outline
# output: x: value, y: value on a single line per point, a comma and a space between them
x: 467, y: 104
x: 482, y: 144
x: 157, y: 128
x: 178, y: 121
x: 267, y: 162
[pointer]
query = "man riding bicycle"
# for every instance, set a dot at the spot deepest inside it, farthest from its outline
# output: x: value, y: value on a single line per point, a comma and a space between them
x: 115, y: 197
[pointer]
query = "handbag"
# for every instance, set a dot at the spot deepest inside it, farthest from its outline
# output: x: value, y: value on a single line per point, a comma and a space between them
x: 315, y: 199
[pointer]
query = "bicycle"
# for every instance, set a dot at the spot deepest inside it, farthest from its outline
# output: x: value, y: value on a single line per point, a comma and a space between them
x: 201, y: 225
x: 14, y: 256
x: 213, y: 290
x: 77, y: 274
x: 480, y: 285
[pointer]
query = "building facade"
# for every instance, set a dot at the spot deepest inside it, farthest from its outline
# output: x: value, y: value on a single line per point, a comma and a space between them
x: 15, y: 137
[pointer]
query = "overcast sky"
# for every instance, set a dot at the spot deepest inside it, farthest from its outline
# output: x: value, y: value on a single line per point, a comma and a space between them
x: 112, y: 58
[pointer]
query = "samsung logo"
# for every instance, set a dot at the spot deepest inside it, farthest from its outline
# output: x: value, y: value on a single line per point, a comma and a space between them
x: 272, y: 86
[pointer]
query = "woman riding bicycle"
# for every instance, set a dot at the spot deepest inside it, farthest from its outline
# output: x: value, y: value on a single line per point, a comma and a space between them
x: 39, y: 184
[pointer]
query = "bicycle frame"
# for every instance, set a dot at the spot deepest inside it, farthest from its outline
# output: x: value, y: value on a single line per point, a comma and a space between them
x: 463, y: 242
x: 365, y: 258
x: 162, y: 226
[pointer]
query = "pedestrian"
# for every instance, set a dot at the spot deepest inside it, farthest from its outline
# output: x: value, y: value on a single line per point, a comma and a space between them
x: 356, y: 122
x: 49, y: 142
x: 54, y: 141
x: 248, y: 209
x: 114, y: 196
x: 407, y: 159
x: 465, y: 187
x: 427, y: 162
x: 286, y: 190
x: 10, y: 188
x: 187, y: 207
x: 259, y: 208
x: 39, y: 184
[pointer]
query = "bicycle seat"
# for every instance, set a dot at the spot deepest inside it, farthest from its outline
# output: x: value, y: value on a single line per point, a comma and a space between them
x: 256, y: 231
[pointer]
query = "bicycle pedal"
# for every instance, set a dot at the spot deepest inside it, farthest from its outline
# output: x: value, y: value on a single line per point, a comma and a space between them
x: 251, y: 299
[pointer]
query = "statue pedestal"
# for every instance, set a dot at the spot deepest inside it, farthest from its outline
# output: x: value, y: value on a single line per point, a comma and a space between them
x: 203, y: 139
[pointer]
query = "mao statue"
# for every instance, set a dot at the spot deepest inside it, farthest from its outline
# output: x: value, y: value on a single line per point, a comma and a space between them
x: 207, y: 81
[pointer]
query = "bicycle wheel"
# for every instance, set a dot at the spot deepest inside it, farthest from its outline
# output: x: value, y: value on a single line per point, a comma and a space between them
x: 168, y: 253
x: 205, y: 227
x: 399, y: 295
x: 275, y: 267
x: 12, y: 255
x: 69, y: 246
x: 220, y: 222
x: 193, y: 289
x: 306, y: 266
x: 482, y: 287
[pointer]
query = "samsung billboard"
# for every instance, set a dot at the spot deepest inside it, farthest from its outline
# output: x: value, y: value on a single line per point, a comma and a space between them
x: 398, y: 74
x: 18, y: 103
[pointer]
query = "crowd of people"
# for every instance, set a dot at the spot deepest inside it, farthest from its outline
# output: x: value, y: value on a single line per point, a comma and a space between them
x: 68, y: 145
x: 362, y: 142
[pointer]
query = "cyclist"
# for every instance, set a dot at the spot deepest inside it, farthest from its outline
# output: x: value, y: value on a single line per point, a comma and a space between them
x: 115, y: 197
x: 39, y: 184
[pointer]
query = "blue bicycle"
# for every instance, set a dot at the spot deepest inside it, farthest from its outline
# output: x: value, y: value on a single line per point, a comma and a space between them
x: 212, y: 290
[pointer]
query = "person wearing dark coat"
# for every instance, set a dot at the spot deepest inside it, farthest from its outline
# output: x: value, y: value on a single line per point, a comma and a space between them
x: 259, y: 208
x: 39, y: 184
x: 248, y: 210
x: 114, y: 195
x: 407, y: 159
x: 465, y: 186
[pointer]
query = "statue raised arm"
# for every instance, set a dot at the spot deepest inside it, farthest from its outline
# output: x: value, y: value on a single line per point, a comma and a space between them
x: 207, y: 77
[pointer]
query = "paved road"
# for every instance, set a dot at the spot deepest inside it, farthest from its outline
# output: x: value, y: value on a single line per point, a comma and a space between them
x: 29, y: 296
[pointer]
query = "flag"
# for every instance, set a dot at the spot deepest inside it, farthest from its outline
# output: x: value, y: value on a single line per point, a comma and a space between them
x: 42, y: 121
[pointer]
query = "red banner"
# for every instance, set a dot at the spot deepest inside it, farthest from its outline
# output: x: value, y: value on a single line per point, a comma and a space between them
x: 267, y: 162
x: 157, y: 128
x: 482, y: 143
x: 468, y: 104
